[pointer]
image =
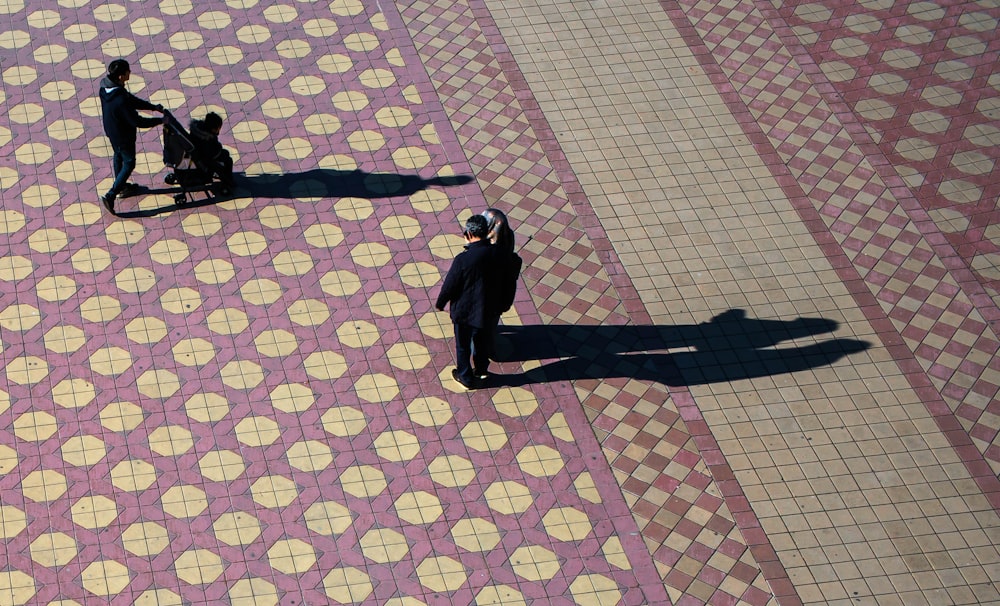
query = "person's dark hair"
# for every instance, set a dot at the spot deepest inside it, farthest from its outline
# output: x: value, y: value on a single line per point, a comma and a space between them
x: 476, y: 226
x: 213, y: 121
x: 117, y: 68
x: 498, y: 229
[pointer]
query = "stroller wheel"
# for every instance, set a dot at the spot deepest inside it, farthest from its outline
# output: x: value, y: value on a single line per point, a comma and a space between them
x: 180, y: 198
x: 170, y: 179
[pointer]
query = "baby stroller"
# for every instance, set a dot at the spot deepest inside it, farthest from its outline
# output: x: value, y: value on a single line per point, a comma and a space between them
x: 180, y: 153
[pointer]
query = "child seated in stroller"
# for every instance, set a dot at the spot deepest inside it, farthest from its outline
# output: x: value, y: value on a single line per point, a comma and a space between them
x: 210, y: 153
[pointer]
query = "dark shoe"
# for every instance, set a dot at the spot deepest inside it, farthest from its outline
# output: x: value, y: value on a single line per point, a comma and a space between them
x: 108, y: 200
x: 482, y: 375
x: 130, y: 189
x: 458, y: 379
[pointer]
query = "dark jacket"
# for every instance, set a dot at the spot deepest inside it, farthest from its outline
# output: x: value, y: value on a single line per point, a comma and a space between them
x: 206, y: 142
x: 471, y: 287
x: 121, y: 118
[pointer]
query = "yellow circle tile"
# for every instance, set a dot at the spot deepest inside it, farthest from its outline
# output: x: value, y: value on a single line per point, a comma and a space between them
x: 50, y: 53
x: 308, y: 312
x: 11, y: 221
x: 361, y: 42
x: 292, y: 397
x: 366, y: 141
x: 170, y: 440
x: 100, y: 309
x: 278, y: 216
x: 534, y: 563
x: 88, y: 69
x: 328, y: 518
x: 344, y: 421
x: 12, y: 521
x: 595, y: 590
x: 338, y: 162
x: 274, y: 491
x: 354, y: 209
x: 250, y: 131
x: 340, y: 283
x: 242, y: 374
x: 193, y: 352
x: 398, y: 446
x: 253, y: 34
x: 15, y: 268
x: 175, y: 7
x: 567, y: 524
x: 206, y: 407
x: 225, y: 55
x: 198, y: 566
x: 371, y: 254
x: 227, y: 321
x: 121, y: 416
x: 246, y: 244
x: 180, y: 300
x: 515, y: 402
x: 324, y: 235
x: 91, y: 260
x: 214, y: 271
x: 43, y: 486
x: 169, y: 252
x: 475, y: 534
x: 441, y: 574
x: 346, y: 8
x: 83, y: 451
x: 8, y: 177
x: 53, y: 549
x: 429, y: 411
x: 419, y: 275
x: 275, y: 343
x: 325, y: 365
x: 125, y: 232
x: 309, y: 455
x: 237, y: 92
x: 81, y: 214
x: 33, y: 153
x: 157, y: 384
x: 508, y: 497
x: 412, y: 158
x: 20, y: 75
x: 145, y: 539
x: 334, y: 64
x: 347, y: 585
x: 291, y: 556
x: 306, y: 85
x: 408, y: 356
x: 384, y: 545
x: 214, y: 20
x: 540, y: 461
x: 94, y: 512
x: 16, y: 586
x: 110, y: 361
x: 320, y: 28
x: 257, y: 592
x: 35, y: 426
x: 322, y: 124
x: 500, y: 594
x: 201, y: 224
x: 445, y: 247
x: 399, y: 227
x: 376, y: 388
x: 560, y: 428
x: 418, y: 507
x: 614, y: 553
x: 133, y: 475
x: 585, y: 487
x: 257, y: 431
x: 184, y: 501
x: 389, y: 304
x: 280, y: 109
x: 158, y: 597
x: 363, y: 481
x: 105, y: 577
x: 157, y: 62
x: 221, y: 465
x: 47, y: 240
x: 484, y: 436
x: 27, y: 370
x: 236, y: 528
x: 55, y: 288
x: 196, y: 77
x: 429, y: 134
x: 452, y: 471
x: 292, y: 263
x: 19, y: 317
x: 394, y: 117
x: 8, y: 458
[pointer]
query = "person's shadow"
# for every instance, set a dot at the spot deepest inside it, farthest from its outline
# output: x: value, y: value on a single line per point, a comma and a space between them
x: 729, y: 347
x: 315, y: 183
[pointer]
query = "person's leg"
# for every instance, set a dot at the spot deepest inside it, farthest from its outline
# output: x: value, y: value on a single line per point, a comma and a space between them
x: 482, y: 348
x: 226, y: 169
x: 125, y: 158
x: 463, y: 353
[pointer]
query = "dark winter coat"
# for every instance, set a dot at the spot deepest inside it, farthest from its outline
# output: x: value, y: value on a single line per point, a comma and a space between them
x: 205, y: 141
x: 471, y: 287
x: 121, y: 117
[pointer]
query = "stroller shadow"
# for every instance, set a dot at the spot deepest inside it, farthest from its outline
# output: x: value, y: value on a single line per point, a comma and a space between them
x: 325, y: 183
x: 729, y: 347
x: 315, y: 183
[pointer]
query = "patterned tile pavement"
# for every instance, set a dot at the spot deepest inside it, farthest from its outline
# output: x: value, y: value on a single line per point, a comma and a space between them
x: 244, y: 401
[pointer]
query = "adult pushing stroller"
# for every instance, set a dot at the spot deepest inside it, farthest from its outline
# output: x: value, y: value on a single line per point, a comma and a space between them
x: 193, y: 168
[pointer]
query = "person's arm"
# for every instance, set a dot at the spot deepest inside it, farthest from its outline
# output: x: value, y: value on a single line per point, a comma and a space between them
x: 137, y: 104
x: 449, y: 288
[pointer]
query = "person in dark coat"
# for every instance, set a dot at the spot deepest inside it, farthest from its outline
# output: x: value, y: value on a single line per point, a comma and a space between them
x: 501, y: 236
x: 121, y: 122
x: 471, y: 291
x: 205, y: 136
